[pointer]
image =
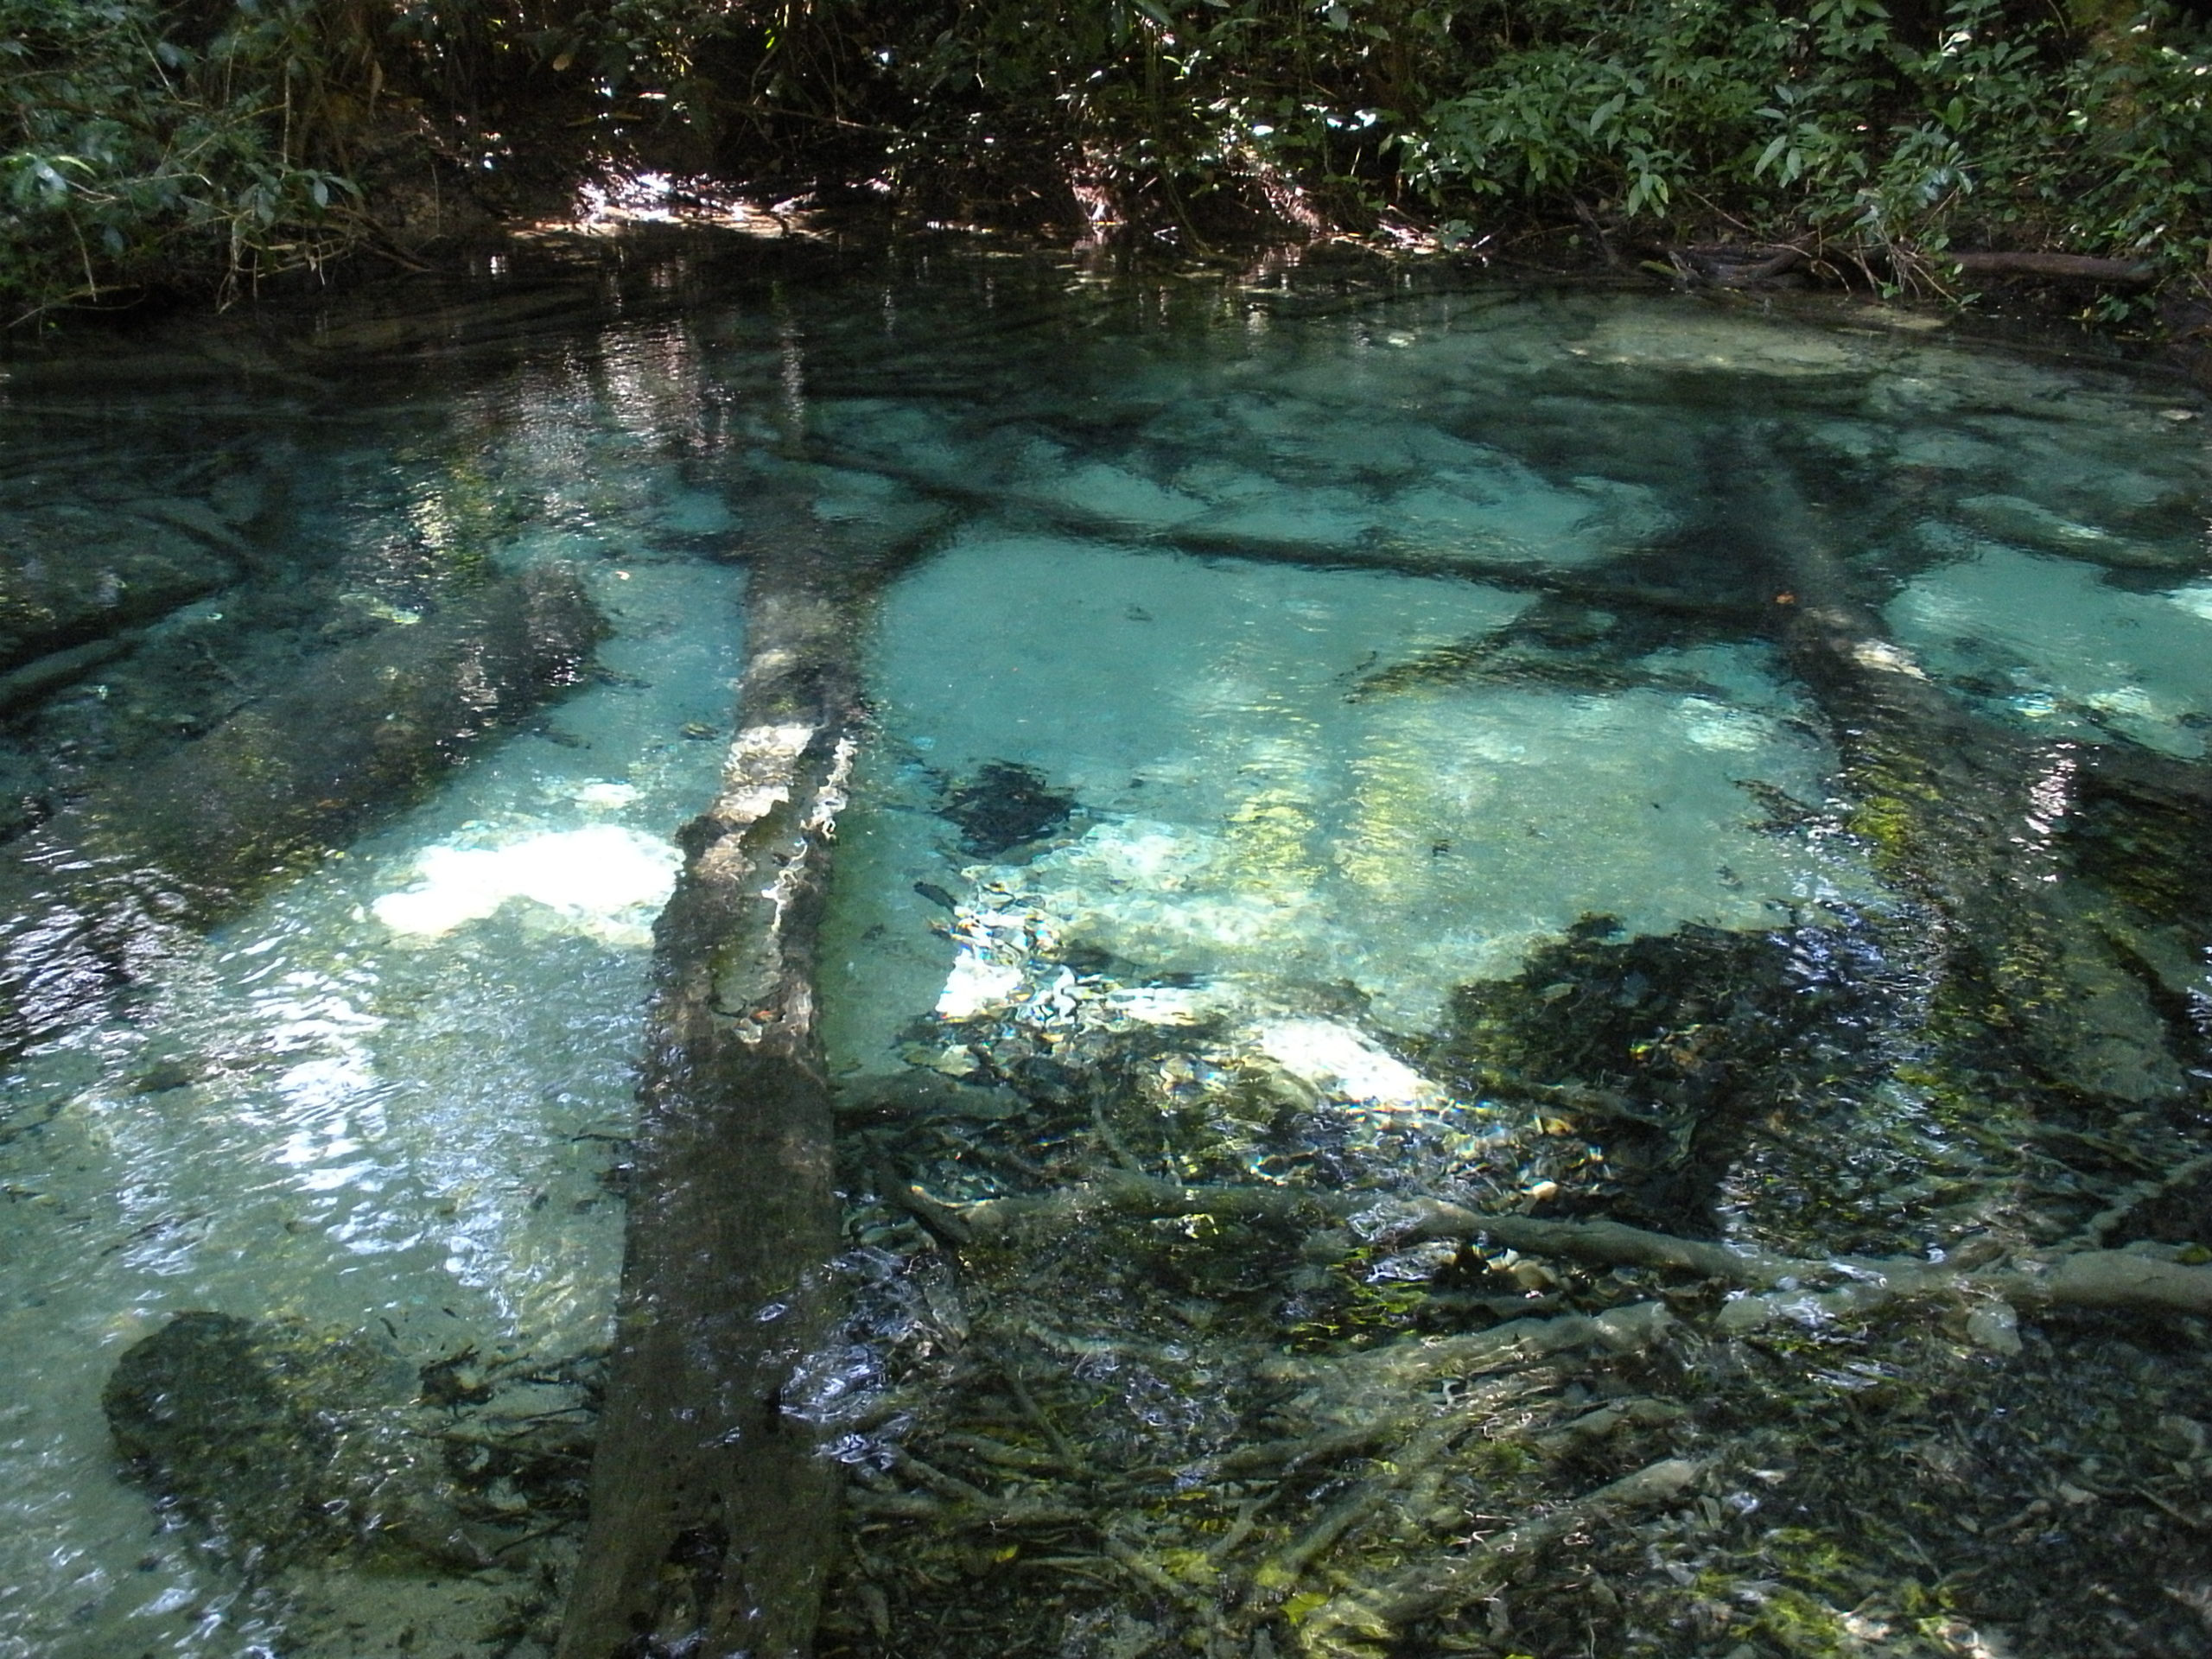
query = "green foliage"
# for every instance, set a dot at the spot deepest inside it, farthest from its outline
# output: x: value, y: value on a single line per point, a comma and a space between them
x: 210, y: 140
x: 1871, y: 138
x: 1829, y: 126
x: 1186, y: 98
x: 132, y: 153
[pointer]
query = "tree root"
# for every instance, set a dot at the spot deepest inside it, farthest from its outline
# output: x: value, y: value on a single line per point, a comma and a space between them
x: 2115, y: 1215
x: 1402, y: 1366
x: 1351, y: 1625
x: 1339, y: 1538
x: 2076, y: 1278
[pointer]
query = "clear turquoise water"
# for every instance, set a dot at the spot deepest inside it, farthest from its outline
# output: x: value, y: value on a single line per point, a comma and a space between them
x: 1375, y: 637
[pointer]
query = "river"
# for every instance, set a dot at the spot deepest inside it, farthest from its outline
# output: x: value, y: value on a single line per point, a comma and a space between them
x: 1336, y: 740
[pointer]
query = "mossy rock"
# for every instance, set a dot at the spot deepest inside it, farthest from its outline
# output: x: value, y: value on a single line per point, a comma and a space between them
x: 286, y: 1441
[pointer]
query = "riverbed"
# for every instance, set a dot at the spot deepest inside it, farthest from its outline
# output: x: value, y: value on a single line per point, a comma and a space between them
x: 1727, y: 769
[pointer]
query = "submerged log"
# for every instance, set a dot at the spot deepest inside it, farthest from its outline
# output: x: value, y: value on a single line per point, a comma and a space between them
x: 99, y: 890
x: 1599, y: 590
x: 71, y: 576
x: 36, y: 679
x: 365, y: 729
x: 713, y: 1514
x: 1942, y: 797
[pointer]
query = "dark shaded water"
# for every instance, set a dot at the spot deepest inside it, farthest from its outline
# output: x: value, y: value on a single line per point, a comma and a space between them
x: 1338, y: 742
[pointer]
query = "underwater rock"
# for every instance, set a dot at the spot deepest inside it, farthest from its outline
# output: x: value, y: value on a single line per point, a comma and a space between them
x: 1004, y: 806
x: 1329, y: 1055
x: 286, y: 1442
x: 69, y: 575
x: 602, y: 880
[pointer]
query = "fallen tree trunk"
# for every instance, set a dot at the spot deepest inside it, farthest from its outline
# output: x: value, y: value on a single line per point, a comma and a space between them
x: 34, y: 680
x: 1063, y: 518
x: 1726, y: 266
x: 713, y: 1516
x: 1934, y: 790
x: 365, y: 728
x: 2056, y: 267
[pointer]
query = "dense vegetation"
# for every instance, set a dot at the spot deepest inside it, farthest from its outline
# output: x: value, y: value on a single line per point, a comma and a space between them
x: 203, y: 142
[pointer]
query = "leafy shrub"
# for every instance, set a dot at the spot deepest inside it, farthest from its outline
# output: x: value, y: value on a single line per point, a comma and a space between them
x: 207, y: 141
x: 133, y: 155
x: 1829, y: 127
x: 1862, y: 135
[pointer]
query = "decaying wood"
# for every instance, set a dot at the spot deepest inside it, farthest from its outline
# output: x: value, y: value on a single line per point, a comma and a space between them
x: 36, y: 679
x: 367, y: 728
x: 1934, y: 790
x: 2056, y: 267
x: 1594, y: 589
x: 1727, y: 266
x: 712, y: 1515
x: 2085, y: 1278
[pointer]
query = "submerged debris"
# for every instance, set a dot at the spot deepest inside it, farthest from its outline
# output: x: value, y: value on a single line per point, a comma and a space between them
x: 1190, y: 1319
x: 1721, y: 1285
x: 1003, y: 806
x: 1665, y: 1051
x: 1555, y: 643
